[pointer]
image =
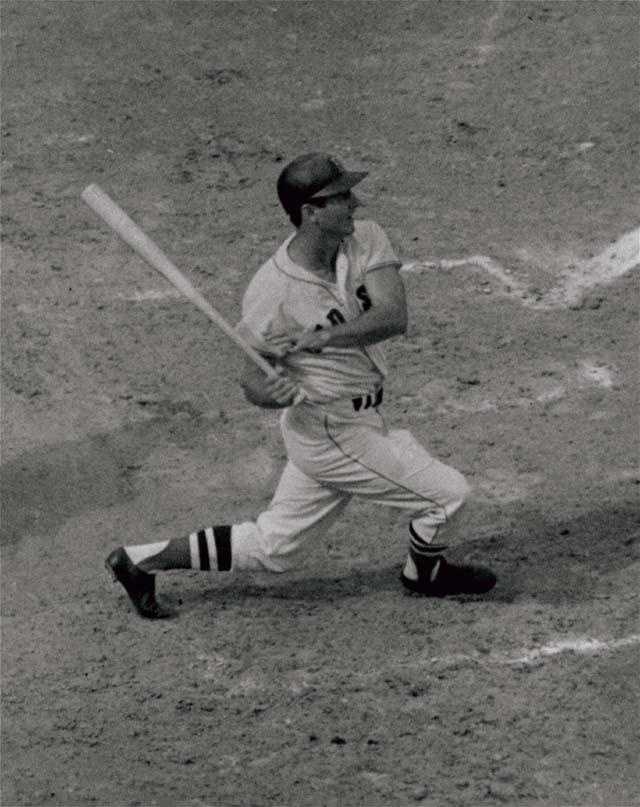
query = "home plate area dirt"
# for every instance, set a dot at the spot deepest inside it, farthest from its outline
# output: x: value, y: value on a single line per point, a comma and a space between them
x: 501, y: 140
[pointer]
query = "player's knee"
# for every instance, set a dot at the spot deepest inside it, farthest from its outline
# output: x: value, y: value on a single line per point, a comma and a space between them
x: 459, y: 491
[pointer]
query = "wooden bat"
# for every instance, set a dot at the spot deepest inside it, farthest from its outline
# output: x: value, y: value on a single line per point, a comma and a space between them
x: 131, y: 234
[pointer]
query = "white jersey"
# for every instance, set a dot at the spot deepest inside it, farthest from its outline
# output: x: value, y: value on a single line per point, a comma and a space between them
x: 283, y: 297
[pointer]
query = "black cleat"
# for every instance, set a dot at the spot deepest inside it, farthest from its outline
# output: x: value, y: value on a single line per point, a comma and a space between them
x: 451, y: 579
x: 139, y: 585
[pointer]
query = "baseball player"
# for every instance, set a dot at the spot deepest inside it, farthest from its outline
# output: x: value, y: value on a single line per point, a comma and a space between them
x: 318, y: 310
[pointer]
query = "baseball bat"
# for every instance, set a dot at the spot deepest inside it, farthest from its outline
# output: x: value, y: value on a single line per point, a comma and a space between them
x: 102, y: 204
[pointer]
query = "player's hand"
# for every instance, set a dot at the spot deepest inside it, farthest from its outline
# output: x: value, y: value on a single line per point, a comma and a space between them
x: 269, y: 392
x: 312, y: 341
x: 278, y: 346
x: 281, y: 389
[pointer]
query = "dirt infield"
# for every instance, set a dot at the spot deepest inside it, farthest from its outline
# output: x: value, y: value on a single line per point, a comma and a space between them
x: 502, y: 141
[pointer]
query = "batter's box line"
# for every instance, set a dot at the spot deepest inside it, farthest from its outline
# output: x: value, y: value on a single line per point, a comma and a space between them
x: 580, y: 277
x: 511, y: 286
x: 535, y: 656
x: 517, y: 659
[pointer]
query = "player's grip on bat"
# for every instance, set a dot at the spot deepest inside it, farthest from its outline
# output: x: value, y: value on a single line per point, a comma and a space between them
x: 310, y: 340
x: 274, y: 391
x: 281, y: 388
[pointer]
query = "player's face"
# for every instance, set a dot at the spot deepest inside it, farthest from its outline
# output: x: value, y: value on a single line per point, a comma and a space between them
x: 335, y: 217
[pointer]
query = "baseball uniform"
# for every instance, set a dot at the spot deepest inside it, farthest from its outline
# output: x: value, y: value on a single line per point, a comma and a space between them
x: 338, y: 443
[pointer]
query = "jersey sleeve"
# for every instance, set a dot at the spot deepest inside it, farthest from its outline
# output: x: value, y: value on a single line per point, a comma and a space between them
x: 378, y: 251
x: 262, y: 312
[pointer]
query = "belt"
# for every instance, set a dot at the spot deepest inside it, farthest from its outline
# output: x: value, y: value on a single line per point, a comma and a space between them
x: 367, y: 401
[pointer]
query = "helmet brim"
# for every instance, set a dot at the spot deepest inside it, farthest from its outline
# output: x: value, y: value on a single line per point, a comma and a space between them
x: 348, y: 180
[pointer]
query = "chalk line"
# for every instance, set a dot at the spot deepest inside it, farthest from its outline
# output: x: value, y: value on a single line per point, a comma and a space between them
x: 613, y: 262
x: 301, y: 679
x: 616, y: 260
x: 534, y: 656
x: 580, y: 646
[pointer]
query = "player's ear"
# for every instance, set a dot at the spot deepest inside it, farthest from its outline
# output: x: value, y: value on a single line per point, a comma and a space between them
x: 308, y: 212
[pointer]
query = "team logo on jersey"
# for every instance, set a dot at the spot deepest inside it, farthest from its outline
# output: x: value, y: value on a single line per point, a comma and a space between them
x: 336, y: 317
x: 363, y: 295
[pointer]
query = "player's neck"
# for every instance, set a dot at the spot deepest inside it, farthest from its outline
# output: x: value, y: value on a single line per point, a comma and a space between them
x: 315, y: 252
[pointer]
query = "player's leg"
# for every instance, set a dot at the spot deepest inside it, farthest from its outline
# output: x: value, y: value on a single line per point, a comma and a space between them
x: 426, y: 570
x: 434, y: 492
x: 272, y: 542
x: 394, y: 469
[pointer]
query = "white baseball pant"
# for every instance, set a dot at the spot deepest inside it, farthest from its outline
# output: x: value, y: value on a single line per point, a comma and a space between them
x: 331, y: 460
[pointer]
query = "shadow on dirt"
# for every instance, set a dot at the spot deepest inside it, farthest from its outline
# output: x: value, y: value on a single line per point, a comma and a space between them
x: 323, y: 589
x: 565, y: 560
x: 563, y: 563
x: 42, y: 489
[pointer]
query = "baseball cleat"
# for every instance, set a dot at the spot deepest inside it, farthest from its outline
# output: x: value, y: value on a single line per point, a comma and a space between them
x: 450, y: 579
x: 139, y: 585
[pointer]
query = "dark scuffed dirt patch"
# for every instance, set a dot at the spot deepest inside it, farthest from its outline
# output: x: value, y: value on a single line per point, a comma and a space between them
x: 496, y: 129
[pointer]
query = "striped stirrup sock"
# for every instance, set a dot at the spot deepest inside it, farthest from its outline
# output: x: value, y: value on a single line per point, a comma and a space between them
x: 424, y: 557
x: 211, y: 547
x: 425, y: 549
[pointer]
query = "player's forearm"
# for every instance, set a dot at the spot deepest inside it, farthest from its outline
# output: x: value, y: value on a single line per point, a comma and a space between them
x: 258, y: 397
x: 371, y: 327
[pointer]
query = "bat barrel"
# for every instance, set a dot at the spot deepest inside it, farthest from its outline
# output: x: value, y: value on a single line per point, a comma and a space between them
x: 102, y: 204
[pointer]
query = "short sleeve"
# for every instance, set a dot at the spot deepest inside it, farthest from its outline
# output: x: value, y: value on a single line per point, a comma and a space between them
x: 378, y: 249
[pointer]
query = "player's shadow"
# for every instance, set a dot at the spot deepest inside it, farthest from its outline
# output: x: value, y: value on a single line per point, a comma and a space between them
x: 353, y: 583
x: 571, y: 560
x: 568, y: 561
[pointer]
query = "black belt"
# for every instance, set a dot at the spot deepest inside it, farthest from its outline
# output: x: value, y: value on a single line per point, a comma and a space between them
x: 367, y: 401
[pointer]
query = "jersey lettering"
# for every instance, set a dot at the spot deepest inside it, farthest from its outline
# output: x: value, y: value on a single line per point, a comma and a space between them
x: 335, y: 317
x: 363, y: 295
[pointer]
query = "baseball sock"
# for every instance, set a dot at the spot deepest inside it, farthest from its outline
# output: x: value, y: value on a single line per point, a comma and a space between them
x: 423, y: 553
x: 203, y: 550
